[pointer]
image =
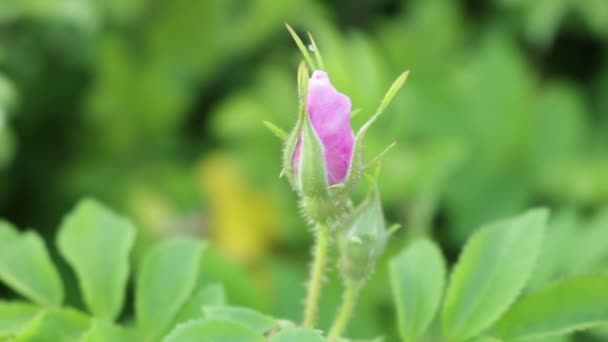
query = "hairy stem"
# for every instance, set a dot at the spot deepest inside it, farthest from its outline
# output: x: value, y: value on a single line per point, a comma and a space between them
x: 316, y: 276
x: 346, y: 310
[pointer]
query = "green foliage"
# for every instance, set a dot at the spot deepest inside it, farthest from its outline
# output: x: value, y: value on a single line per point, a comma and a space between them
x: 101, y: 330
x: 487, y: 278
x: 55, y: 325
x: 84, y: 238
x: 568, y: 305
x: 211, y: 330
x: 25, y: 266
x: 14, y: 316
x: 482, y: 302
x: 207, y: 295
x: 417, y: 279
x: 244, y: 316
x: 126, y: 100
x: 173, y: 302
x: 97, y: 243
x: 297, y: 335
x: 166, y: 279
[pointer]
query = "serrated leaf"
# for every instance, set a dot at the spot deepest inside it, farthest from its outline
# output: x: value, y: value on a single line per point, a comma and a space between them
x: 65, y: 325
x: 26, y: 267
x: 104, y: 331
x: 417, y: 279
x: 166, y: 279
x: 86, y: 237
x: 14, y: 316
x: 298, y: 335
x: 203, y: 330
x: 492, y: 270
x: 249, y: 318
x: 569, y: 305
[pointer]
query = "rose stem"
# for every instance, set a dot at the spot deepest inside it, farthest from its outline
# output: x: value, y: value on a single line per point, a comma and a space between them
x: 348, y: 304
x: 316, y: 276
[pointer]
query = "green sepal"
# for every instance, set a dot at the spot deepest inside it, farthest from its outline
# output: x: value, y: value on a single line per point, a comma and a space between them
x: 292, y: 138
x: 312, y: 173
x: 276, y: 130
x: 301, y: 46
x: 357, y: 165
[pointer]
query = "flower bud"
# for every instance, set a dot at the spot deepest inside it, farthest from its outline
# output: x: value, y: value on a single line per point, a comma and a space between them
x: 328, y: 115
x: 363, y: 241
x: 319, y: 150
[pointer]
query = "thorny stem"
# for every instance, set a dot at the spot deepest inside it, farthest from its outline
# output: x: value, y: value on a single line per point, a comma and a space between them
x: 316, y: 276
x: 348, y: 304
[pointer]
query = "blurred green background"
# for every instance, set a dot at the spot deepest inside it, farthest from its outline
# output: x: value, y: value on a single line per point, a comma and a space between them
x: 156, y: 108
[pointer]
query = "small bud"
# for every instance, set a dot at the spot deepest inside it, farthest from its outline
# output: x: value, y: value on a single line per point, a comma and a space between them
x: 363, y: 240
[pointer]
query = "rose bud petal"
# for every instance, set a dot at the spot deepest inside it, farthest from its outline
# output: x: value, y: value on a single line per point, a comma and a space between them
x: 329, y: 113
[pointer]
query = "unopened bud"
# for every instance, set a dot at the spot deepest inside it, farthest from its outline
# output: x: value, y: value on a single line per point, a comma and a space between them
x: 363, y: 240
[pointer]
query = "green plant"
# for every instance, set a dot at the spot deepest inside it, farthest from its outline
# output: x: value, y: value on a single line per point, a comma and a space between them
x: 172, y: 303
x: 489, y: 295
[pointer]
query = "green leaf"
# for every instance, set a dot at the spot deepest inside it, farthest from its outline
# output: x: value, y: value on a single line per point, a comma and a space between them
x: 417, y: 280
x: 104, y: 331
x: 569, y: 305
x: 65, y: 325
x: 166, y: 279
x: 563, y: 231
x: 212, y: 294
x: 212, y: 331
x: 236, y: 281
x: 492, y: 270
x: 249, y: 318
x: 298, y: 335
x: 86, y: 237
x: 485, y: 339
x: 26, y: 267
x: 14, y: 316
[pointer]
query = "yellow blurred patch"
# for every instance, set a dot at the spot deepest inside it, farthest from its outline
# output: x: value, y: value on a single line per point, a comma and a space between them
x: 243, y: 219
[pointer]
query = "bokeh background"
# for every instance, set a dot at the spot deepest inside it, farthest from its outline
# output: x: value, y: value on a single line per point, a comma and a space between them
x: 156, y: 107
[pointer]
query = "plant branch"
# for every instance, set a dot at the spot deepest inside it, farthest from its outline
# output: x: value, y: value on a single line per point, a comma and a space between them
x: 316, y: 276
x: 346, y: 310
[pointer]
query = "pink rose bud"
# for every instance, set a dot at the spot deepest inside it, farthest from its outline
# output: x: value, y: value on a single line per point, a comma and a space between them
x: 329, y: 113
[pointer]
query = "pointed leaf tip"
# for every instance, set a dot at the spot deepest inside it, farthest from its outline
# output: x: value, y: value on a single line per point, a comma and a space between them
x: 301, y: 46
x: 281, y: 134
x: 397, y: 84
x: 316, y: 52
x: 394, y: 228
x: 381, y: 155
